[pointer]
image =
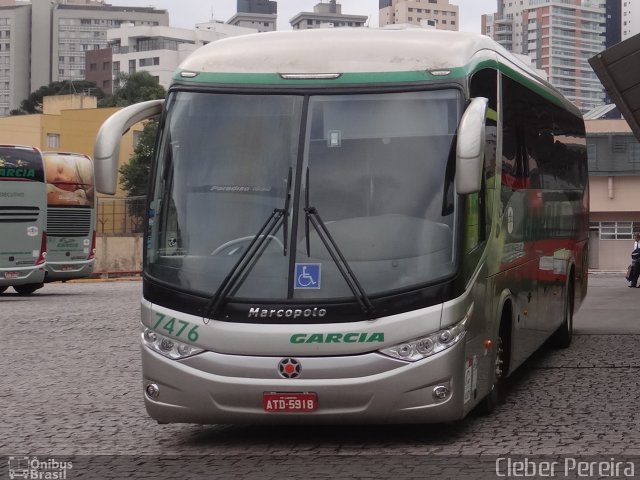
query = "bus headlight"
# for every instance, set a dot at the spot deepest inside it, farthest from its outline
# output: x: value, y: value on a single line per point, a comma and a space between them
x: 422, y: 347
x: 169, y: 347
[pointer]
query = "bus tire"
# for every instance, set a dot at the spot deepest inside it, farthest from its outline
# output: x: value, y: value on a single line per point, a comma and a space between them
x: 2, y: 289
x: 561, y: 338
x: 496, y: 395
x: 27, y: 289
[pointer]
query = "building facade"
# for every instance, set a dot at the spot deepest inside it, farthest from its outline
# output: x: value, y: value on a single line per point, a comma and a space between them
x: 560, y: 36
x: 613, y: 33
x: 326, y: 14
x: 261, y: 15
x: 46, y: 41
x: 15, y: 18
x: 159, y: 50
x: 614, y: 181
x: 438, y: 14
x: 630, y: 21
x: 99, y: 68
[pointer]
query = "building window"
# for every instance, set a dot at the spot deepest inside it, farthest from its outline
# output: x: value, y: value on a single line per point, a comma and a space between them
x: 93, y: 67
x: 615, y: 230
x: 53, y: 140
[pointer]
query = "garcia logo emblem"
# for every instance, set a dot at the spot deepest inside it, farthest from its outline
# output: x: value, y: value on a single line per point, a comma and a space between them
x: 289, y: 368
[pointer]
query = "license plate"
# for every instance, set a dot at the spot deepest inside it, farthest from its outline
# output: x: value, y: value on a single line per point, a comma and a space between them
x: 11, y: 274
x: 67, y: 268
x: 289, y: 402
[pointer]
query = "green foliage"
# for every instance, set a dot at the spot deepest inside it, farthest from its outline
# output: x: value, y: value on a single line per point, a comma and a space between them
x: 134, y: 176
x: 134, y: 88
x: 33, y: 103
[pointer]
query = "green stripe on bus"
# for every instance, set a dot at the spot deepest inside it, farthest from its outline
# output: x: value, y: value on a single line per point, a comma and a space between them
x: 360, y: 78
x: 372, y: 78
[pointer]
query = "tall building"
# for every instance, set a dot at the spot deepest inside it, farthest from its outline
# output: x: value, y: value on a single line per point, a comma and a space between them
x: 261, y: 15
x: 560, y: 36
x: 630, y: 18
x: 439, y: 14
x: 326, y: 14
x: 613, y: 27
x: 42, y: 41
x: 15, y: 19
x: 157, y: 50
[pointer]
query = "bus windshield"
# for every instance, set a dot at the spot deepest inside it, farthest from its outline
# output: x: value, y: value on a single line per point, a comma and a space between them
x: 376, y: 168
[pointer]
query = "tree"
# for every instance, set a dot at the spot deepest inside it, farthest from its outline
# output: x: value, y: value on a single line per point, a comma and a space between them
x: 33, y: 103
x: 134, y: 176
x: 133, y: 88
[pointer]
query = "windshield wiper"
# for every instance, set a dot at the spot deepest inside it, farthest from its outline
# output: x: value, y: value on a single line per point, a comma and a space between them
x: 312, y: 215
x: 251, y: 253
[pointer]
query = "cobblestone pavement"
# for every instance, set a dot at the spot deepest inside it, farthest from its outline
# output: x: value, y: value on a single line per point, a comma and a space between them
x: 71, y: 386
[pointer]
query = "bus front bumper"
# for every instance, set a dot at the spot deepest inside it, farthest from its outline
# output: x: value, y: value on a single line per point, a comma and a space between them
x: 350, y: 392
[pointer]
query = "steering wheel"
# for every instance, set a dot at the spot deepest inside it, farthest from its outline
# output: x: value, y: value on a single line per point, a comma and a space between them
x: 237, y: 243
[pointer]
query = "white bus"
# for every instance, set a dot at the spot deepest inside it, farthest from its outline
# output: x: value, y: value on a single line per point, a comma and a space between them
x: 354, y: 225
x: 23, y: 210
x: 71, y: 216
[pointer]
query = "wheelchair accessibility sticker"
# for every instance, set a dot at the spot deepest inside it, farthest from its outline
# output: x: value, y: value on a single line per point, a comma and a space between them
x: 307, y: 275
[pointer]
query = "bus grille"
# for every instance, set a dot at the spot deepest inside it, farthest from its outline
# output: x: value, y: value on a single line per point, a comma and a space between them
x: 19, y: 214
x: 69, y: 222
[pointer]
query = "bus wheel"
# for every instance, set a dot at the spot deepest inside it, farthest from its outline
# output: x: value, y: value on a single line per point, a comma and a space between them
x: 561, y: 338
x: 496, y: 395
x: 27, y: 289
x: 2, y: 289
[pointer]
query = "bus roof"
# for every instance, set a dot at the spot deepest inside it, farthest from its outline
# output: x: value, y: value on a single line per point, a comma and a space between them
x: 345, y: 50
x: 341, y: 50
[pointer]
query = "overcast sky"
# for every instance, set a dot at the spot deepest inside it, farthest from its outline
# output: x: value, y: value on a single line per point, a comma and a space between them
x: 186, y: 13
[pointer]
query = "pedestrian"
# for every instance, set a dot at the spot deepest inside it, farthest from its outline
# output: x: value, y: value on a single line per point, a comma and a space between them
x: 635, y: 262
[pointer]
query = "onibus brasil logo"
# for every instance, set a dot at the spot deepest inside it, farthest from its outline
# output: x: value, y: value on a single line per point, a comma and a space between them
x: 38, y: 469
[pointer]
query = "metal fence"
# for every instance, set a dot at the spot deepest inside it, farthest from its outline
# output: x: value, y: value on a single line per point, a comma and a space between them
x: 118, y: 215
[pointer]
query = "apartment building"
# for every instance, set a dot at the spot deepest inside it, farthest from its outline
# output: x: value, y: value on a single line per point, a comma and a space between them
x: 158, y: 50
x: 630, y: 18
x: 560, y: 36
x: 42, y: 41
x: 438, y: 14
x: 326, y: 14
x: 261, y: 15
x: 14, y: 54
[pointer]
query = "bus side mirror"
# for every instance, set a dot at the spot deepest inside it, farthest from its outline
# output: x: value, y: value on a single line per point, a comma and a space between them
x: 107, y: 147
x: 470, y: 147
